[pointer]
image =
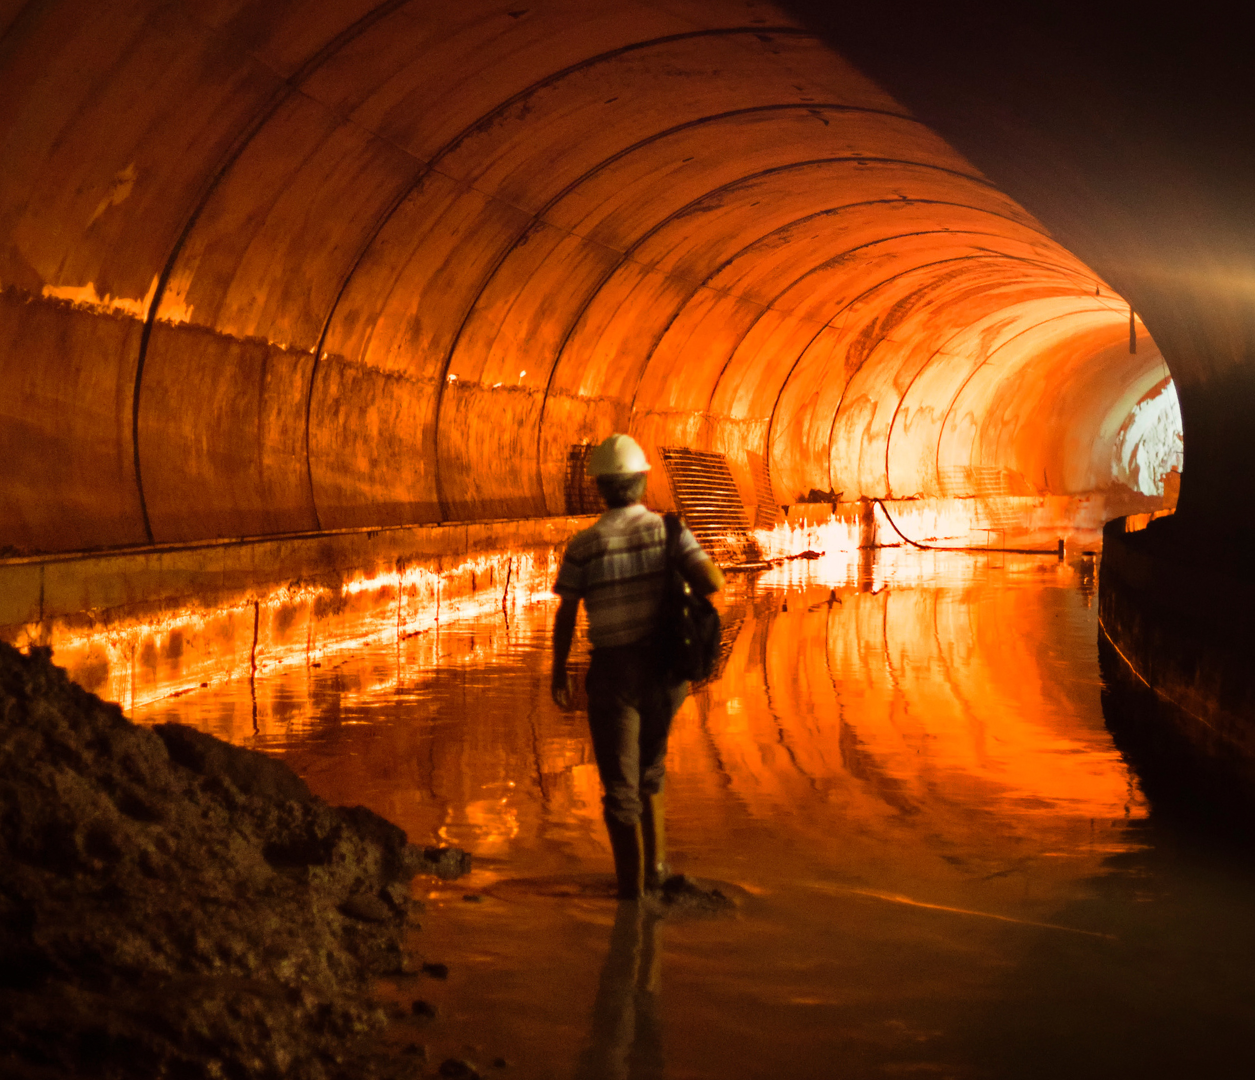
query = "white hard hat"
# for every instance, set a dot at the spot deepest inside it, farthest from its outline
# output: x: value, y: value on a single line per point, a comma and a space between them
x: 619, y: 455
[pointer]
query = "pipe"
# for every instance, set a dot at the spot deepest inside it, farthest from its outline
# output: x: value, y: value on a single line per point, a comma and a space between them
x: 937, y: 547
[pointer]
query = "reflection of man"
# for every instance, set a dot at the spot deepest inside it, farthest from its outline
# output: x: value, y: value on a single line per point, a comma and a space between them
x: 617, y: 568
x: 625, y: 1041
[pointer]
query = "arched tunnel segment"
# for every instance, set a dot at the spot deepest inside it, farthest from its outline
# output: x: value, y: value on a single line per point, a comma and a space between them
x: 326, y: 265
x: 294, y: 268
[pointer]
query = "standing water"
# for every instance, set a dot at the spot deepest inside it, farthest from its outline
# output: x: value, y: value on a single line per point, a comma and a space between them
x: 941, y: 863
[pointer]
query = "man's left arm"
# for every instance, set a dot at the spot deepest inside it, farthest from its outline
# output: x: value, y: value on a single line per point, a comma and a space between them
x: 705, y: 577
x: 698, y: 568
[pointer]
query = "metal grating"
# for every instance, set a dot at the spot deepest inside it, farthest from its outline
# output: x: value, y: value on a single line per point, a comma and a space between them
x: 707, y: 496
x: 768, y: 513
x: 582, y: 496
x: 982, y: 482
x: 998, y: 492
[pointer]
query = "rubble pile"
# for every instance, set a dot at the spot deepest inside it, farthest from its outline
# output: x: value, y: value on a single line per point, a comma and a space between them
x: 172, y: 905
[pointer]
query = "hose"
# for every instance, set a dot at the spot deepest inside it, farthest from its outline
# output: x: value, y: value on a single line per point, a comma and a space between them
x: 937, y: 547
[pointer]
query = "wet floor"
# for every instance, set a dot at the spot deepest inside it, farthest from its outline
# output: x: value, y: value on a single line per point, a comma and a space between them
x: 942, y: 864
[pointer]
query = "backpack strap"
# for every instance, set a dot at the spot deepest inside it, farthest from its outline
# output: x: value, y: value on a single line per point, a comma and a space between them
x: 671, y: 528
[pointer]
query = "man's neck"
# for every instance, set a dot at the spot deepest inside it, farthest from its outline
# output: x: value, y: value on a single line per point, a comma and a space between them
x: 625, y: 509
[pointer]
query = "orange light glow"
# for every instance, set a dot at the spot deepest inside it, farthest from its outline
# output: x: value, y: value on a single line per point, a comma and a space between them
x: 528, y: 235
x: 139, y: 661
x: 918, y: 698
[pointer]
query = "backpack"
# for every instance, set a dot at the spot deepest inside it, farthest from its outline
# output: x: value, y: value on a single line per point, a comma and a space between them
x: 688, y: 624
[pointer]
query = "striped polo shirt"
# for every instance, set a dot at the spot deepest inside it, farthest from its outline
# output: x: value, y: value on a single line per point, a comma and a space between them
x: 616, y: 567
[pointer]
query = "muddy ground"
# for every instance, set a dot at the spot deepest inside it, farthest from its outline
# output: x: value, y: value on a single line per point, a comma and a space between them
x: 174, y: 906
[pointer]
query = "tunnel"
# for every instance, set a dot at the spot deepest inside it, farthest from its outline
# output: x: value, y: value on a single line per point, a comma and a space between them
x: 312, y: 310
x: 322, y: 267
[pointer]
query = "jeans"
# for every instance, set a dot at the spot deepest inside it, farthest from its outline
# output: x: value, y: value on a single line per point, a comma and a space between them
x: 629, y: 714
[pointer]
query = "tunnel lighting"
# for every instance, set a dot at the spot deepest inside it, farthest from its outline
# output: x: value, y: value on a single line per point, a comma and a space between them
x: 1150, y: 441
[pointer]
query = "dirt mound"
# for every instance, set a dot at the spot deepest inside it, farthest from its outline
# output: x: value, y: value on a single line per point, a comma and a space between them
x: 171, y: 905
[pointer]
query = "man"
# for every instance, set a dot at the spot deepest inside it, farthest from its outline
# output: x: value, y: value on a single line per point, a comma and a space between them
x: 617, y: 568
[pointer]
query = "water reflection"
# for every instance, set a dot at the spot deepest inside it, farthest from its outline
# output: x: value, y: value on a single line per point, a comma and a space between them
x: 625, y: 1037
x: 904, y: 767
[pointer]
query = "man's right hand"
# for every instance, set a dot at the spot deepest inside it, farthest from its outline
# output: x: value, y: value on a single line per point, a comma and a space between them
x: 563, y: 632
x: 706, y: 577
x: 560, y: 688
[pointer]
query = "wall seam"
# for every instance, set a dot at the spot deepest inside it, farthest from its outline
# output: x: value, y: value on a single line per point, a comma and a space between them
x: 941, y: 429
x: 281, y: 93
x: 1040, y: 264
x: 770, y: 305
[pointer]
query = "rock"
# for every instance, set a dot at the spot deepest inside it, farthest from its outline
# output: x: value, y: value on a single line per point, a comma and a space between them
x: 458, y: 1069
x: 473, y: 898
x: 398, y: 895
x: 436, y: 971
x: 423, y: 1009
x: 171, y: 905
x: 251, y: 772
x: 367, y: 908
x: 403, y: 965
x: 446, y: 862
x: 500, y: 1063
x: 417, y: 1050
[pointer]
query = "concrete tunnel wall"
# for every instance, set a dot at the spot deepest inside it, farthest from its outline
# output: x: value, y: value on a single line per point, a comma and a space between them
x: 279, y: 267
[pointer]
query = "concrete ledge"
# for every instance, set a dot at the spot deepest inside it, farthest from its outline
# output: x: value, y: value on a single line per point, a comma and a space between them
x: 36, y: 588
x: 1179, y: 621
x: 139, y: 624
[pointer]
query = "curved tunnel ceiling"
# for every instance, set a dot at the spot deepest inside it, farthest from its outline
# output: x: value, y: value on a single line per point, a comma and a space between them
x: 293, y: 266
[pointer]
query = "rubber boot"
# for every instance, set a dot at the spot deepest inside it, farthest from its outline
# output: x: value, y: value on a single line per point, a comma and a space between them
x: 654, y: 835
x: 629, y: 863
